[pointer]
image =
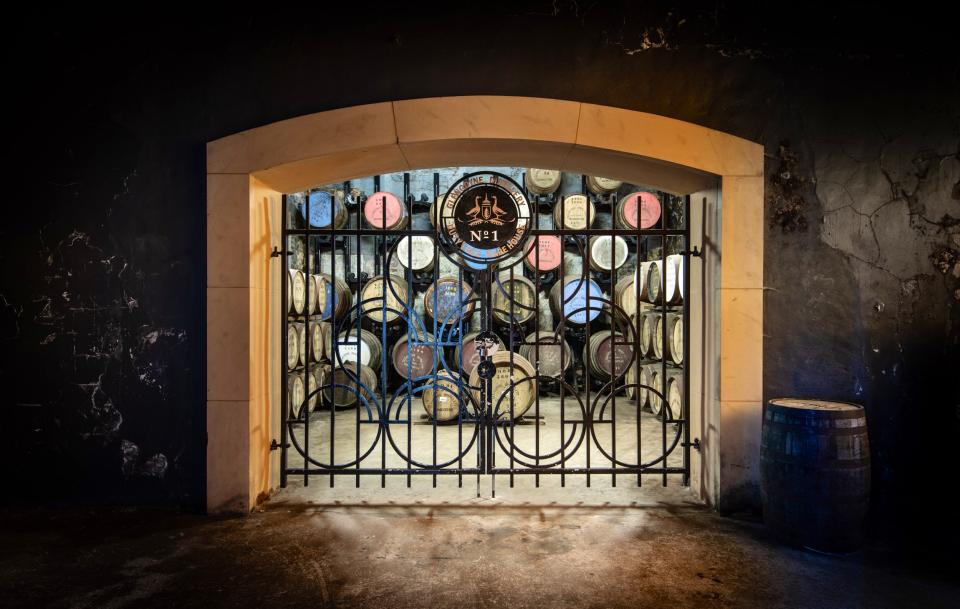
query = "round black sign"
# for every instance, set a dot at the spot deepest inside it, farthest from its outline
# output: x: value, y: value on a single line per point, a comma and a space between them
x: 485, y: 217
x: 486, y: 370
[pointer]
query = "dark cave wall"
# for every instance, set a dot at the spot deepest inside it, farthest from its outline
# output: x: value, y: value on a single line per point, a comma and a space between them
x: 101, y: 309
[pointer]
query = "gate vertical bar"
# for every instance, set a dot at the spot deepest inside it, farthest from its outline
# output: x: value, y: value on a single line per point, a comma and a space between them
x: 284, y: 373
x: 664, y: 405
x: 687, y: 249
x: 306, y: 311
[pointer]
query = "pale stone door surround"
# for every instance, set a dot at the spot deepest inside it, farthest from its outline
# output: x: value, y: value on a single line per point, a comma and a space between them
x: 248, y: 171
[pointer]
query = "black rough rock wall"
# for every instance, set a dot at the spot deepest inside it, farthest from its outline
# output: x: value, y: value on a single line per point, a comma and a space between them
x: 101, y: 305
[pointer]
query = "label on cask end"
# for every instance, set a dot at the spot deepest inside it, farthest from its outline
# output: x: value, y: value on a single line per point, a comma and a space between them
x: 485, y: 217
x: 546, y: 253
x: 383, y: 210
x: 641, y: 210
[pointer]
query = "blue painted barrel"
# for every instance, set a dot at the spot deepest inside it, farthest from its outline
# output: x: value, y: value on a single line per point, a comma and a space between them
x: 815, y: 473
x: 568, y: 299
x: 325, y: 210
x: 336, y: 299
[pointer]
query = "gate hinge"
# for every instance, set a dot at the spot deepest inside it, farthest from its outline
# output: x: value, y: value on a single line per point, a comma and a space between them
x: 277, y: 253
x: 695, y: 253
x: 274, y: 445
x: 695, y: 444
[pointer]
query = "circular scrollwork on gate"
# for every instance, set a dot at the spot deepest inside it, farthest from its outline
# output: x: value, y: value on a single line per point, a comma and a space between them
x: 485, y: 217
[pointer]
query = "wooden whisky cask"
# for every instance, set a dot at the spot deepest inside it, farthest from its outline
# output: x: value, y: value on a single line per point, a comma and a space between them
x: 574, y: 212
x: 293, y: 346
x: 655, y: 381
x: 336, y: 298
x: 443, y: 398
x: 673, y: 351
x: 384, y: 210
x: 295, y: 394
x: 608, y: 355
x: 468, y: 359
x: 648, y: 325
x: 637, y: 376
x: 296, y: 292
x: 383, y: 299
x: 638, y: 210
x: 556, y: 355
x: 542, y: 181
x: 568, y: 299
x: 412, y: 361
x: 675, y: 393
x: 416, y: 253
x: 815, y: 473
x: 625, y: 295
x: 545, y: 253
x: 523, y: 392
x: 517, y: 296
x: 435, y: 210
x: 366, y: 349
x: 340, y: 390
x: 602, y: 186
x: 313, y: 380
x: 607, y: 252
x: 447, y: 300
x: 663, y: 283
x: 326, y: 210
x: 316, y: 331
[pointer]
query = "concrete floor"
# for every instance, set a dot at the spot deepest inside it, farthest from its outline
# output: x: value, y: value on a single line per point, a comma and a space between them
x: 403, y: 552
x: 619, y: 431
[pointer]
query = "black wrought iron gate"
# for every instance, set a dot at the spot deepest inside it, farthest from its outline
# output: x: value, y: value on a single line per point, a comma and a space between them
x: 492, y: 328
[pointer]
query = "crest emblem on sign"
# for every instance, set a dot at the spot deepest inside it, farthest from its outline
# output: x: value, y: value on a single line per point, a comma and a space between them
x: 487, y: 211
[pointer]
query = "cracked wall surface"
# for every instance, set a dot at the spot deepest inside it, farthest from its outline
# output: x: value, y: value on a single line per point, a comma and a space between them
x: 101, y: 310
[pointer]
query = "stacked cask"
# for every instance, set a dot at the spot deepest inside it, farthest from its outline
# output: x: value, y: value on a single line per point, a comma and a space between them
x: 577, y: 303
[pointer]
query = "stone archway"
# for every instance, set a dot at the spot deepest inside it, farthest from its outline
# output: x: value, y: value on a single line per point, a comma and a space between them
x: 248, y: 171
